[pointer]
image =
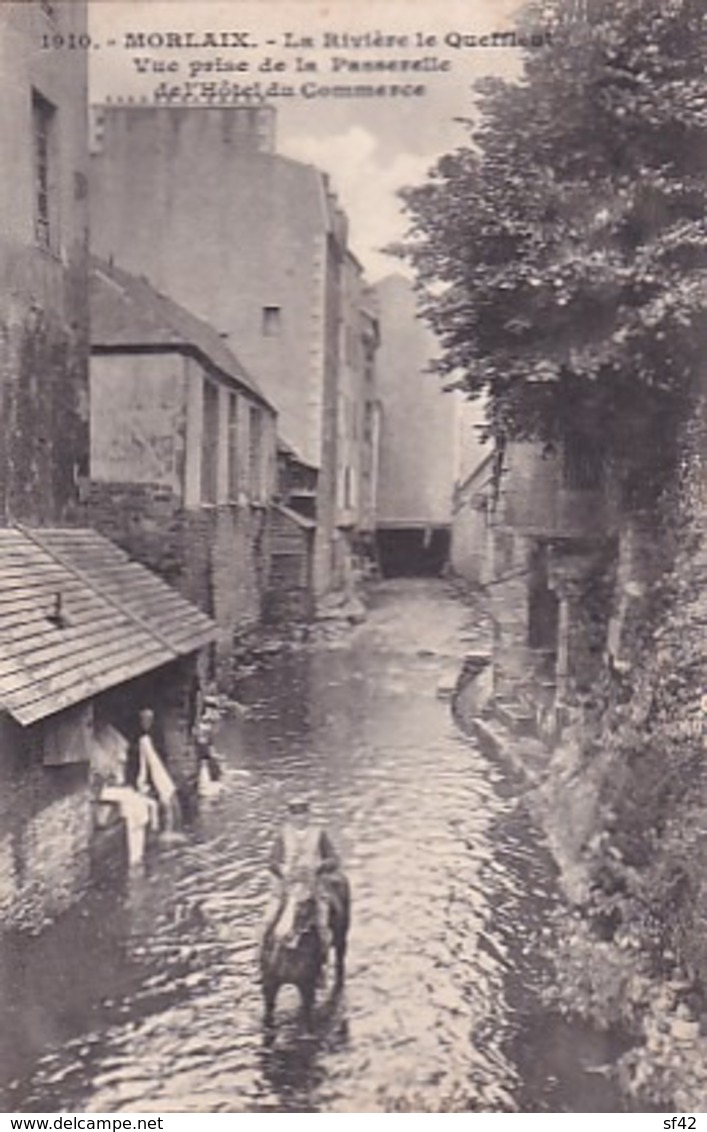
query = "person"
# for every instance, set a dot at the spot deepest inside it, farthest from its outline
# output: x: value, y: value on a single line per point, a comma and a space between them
x: 302, y: 853
x: 209, y: 771
x: 153, y: 774
x: 109, y: 758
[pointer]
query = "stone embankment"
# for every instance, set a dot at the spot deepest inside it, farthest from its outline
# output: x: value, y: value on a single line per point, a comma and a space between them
x: 619, y: 800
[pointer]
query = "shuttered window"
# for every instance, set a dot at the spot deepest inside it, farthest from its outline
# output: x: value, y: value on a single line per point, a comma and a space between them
x: 43, y: 138
x: 209, y: 445
x: 233, y: 477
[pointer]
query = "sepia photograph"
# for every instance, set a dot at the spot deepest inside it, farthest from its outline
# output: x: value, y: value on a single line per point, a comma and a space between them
x: 353, y: 573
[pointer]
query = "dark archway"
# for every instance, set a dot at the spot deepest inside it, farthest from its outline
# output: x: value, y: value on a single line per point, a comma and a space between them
x: 412, y: 551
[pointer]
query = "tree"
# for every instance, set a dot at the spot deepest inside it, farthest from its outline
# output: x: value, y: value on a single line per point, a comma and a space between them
x: 560, y: 255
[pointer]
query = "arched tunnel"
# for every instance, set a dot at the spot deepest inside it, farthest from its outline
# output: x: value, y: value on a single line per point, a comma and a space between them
x: 414, y: 551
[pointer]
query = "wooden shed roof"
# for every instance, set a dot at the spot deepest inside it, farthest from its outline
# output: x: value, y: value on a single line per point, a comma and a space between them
x: 77, y: 617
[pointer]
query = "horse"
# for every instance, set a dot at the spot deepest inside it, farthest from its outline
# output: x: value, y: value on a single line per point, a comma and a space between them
x: 296, y: 956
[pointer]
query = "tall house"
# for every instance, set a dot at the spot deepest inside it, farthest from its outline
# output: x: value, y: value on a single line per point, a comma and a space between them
x: 418, y: 462
x: 182, y: 450
x: 86, y: 633
x: 43, y: 261
x: 254, y: 243
x: 357, y: 393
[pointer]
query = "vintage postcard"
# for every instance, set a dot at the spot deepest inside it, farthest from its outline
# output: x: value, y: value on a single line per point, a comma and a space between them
x: 352, y: 568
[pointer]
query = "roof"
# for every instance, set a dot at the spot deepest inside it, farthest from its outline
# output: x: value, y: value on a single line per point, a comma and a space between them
x: 128, y: 312
x: 286, y: 449
x: 77, y: 617
x: 295, y: 517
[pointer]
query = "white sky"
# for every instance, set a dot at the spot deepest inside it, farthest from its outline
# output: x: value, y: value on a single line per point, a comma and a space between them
x: 371, y: 148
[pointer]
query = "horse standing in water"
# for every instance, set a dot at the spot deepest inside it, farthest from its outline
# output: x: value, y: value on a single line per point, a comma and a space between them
x: 295, y: 956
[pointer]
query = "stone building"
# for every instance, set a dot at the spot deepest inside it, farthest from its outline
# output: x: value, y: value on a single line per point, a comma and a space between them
x: 265, y: 262
x: 89, y: 638
x: 182, y: 450
x: 540, y: 531
x: 417, y: 439
x: 358, y: 416
x: 43, y: 257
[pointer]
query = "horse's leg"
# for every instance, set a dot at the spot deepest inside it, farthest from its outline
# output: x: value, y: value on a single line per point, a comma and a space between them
x: 307, y: 993
x: 340, y: 928
x: 340, y: 969
x: 270, y: 995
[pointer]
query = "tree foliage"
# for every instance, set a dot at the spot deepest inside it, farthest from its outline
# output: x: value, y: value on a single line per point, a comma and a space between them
x: 560, y: 255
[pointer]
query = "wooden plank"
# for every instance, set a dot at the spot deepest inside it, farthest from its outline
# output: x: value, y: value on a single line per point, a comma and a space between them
x: 190, y: 624
x: 117, y: 667
x: 33, y: 575
x: 23, y: 626
x: 39, y: 571
x: 80, y: 537
x: 39, y: 659
x: 195, y: 642
x: 31, y: 617
x: 76, y: 659
x: 36, y: 591
x: 35, y: 619
x: 26, y: 644
x: 173, y: 621
x: 76, y: 594
x: 155, y: 611
x: 48, y: 702
x: 138, y: 580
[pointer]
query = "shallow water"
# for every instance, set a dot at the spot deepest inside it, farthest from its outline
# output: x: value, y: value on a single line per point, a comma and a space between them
x: 145, y: 996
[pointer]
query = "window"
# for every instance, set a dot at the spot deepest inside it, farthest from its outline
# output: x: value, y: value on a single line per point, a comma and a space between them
x: 368, y: 422
x: 233, y: 447
x: 582, y: 465
x: 255, y: 448
x: 43, y: 131
x: 209, y: 444
x: 272, y: 322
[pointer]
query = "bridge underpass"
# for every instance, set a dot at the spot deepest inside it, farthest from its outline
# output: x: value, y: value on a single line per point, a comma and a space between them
x: 412, y: 549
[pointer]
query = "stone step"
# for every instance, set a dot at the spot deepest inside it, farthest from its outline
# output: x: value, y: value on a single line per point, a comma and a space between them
x: 517, y: 718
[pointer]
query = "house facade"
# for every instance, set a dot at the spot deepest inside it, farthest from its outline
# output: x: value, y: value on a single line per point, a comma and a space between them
x: 357, y: 426
x: 538, y: 529
x: 417, y: 439
x: 43, y: 263
x: 182, y: 450
x: 272, y: 272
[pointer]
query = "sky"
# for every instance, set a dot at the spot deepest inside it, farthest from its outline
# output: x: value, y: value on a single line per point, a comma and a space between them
x: 372, y: 147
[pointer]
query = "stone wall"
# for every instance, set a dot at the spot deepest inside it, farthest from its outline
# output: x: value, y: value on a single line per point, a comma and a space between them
x: 43, y: 267
x: 45, y: 824
x: 471, y: 544
x: 418, y: 420
x: 216, y: 557
x: 258, y: 221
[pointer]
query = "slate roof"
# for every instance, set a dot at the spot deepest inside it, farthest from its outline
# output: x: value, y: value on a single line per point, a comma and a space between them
x: 128, y: 312
x: 115, y: 621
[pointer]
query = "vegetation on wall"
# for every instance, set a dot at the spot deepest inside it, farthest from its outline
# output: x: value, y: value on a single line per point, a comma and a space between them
x: 560, y: 254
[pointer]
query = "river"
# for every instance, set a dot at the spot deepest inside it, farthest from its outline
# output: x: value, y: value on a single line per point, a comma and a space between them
x: 145, y: 998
